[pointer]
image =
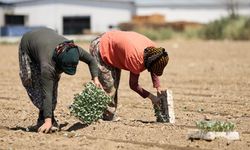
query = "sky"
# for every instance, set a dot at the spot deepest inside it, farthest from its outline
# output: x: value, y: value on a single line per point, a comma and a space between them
x: 149, y: 1
x: 9, y: 1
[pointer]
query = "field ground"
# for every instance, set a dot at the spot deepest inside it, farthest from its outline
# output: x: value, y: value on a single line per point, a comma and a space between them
x: 208, y: 78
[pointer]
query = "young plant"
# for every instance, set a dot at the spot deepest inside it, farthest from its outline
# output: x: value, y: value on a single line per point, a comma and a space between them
x: 215, y: 126
x: 160, y: 117
x: 89, y: 105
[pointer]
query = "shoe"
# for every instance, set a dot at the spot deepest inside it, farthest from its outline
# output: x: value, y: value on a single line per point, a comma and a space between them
x: 116, y: 118
x: 111, y: 117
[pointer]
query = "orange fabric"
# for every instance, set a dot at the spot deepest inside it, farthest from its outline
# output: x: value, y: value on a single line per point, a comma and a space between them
x: 124, y: 50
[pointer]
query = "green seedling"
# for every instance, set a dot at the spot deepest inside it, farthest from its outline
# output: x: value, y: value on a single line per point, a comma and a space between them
x: 215, y: 126
x: 89, y: 105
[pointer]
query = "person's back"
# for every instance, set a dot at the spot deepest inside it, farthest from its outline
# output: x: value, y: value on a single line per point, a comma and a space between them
x: 124, y: 50
x: 40, y: 44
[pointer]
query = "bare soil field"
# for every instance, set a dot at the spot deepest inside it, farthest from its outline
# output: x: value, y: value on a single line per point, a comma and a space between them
x: 208, y: 79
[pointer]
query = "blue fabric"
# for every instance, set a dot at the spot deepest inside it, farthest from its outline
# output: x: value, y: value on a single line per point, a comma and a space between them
x: 15, y: 30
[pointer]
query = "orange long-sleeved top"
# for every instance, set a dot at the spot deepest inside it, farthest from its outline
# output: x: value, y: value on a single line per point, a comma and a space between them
x: 125, y: 50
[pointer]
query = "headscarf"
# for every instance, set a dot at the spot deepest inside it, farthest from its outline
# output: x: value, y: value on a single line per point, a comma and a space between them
x: 155, y: 59
x: 66, y: 56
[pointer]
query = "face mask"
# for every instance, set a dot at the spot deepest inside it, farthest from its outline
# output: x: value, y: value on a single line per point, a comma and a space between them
x: 67, y: 58
x: 70, y: 68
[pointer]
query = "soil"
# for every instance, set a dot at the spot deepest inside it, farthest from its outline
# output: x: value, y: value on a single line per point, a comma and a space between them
x: 209, y: 79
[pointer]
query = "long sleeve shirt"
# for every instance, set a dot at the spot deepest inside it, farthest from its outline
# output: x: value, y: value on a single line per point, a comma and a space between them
x: 39, y: 45
x: 125, y: 50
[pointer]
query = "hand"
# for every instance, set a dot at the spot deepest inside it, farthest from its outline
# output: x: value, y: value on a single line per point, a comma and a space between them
x: 97, y: 82
x: 45, y: 128
x: 158, y: 90
x: 154, y: 99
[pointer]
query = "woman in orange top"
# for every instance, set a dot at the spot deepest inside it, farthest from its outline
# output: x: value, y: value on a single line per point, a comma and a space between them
x: 116, y: 50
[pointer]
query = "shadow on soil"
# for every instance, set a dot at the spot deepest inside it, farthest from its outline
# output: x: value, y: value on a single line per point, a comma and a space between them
x: 146, y: 122
x: 33, y: 128
x: 76, y: 126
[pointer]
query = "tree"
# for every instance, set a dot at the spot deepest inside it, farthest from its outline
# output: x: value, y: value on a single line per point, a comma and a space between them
x: 232, y: 7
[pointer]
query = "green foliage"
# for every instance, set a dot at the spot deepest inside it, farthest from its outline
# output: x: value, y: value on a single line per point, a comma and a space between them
x: 245, y: 31
x: 232, y: 28
x: 228, y: 28
x: 214, y: 30
x: 216, y: 126
x: 160, y: 117
x: 190, y: 33
x: 89, y: 105
x: 156, y: 34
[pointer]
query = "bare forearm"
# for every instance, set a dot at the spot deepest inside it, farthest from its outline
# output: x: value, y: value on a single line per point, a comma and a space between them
x: 133, y: 83
x: 142, y: 92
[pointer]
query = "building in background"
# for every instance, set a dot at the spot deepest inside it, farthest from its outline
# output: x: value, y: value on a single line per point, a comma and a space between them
x: 68, y: 17
x: 96, y: 16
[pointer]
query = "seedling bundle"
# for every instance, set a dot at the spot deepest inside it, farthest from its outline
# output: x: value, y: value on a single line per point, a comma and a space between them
x: 215, y: 126
x: 209, y: 130
x: 165, y: 112
x: 89, y: 105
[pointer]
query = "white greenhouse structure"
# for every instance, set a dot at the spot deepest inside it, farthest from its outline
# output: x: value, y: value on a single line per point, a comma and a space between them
x: 95, y: 16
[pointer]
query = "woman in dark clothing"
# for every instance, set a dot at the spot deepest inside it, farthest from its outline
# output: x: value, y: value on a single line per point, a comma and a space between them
x: 43, y: 56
